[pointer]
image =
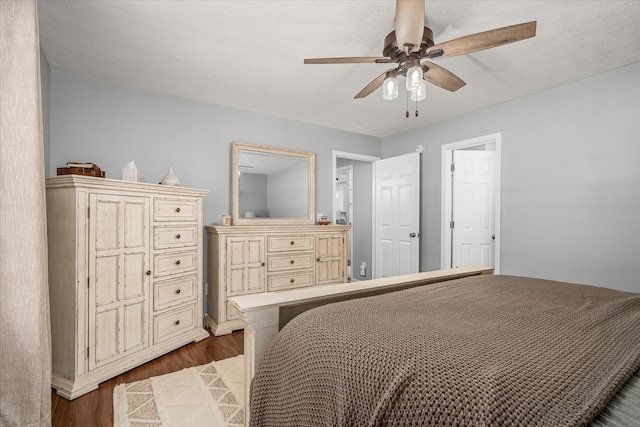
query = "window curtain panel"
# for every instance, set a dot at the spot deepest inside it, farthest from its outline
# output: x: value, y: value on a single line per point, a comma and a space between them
x: 25, y: 345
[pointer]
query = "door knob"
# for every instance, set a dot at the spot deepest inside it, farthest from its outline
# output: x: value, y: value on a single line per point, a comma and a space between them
x: 493, y: 236
x: 413, y: 234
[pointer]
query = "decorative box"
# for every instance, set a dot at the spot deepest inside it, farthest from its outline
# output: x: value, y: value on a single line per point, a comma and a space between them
x: 94, y: 171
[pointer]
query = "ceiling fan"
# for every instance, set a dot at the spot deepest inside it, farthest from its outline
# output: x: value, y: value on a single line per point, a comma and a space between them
x: 411, y: 42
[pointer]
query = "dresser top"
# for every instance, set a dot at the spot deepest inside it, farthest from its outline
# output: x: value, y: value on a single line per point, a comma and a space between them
x: 274, y: 229
x: 68, y: 181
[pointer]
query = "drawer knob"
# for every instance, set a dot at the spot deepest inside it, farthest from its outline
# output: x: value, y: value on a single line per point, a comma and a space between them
x: 177, y: 209
x: 293, y: 243
x: 177, y: 236
x: 178, y: 262
x: 318, y: 259
x: 177, y: 291
x: 148, y: 272
x: 291, y: 280
x: 177, y: 322
x: 262, y: 264
x: 291, y: 261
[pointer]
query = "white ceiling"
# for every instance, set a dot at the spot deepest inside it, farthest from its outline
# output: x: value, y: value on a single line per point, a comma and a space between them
x: 249, y: 54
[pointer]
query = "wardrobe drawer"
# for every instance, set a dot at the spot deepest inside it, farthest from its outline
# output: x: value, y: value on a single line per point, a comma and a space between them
x: 175, y: 209
x: 169, y: 293
x: 165, y: 264
x: 290, y: 261
x: 173, y: 323
x: 290, y: 243
x: 278, y: 282
x: 174, y: 236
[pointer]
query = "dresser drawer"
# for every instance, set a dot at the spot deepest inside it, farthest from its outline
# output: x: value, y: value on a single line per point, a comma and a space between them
x: 278, y: 282
x: 173, y: 323
x: 290, y: 261
x: 169, y: 293
x: 165, y: 264
x: 290, y: 243
x: 174, y: 236
x: 175, y: 209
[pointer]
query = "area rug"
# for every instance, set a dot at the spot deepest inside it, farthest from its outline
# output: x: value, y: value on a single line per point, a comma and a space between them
x: 207, y: 395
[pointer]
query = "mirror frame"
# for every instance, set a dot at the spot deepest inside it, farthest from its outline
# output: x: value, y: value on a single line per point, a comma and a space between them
x: 309, y: 156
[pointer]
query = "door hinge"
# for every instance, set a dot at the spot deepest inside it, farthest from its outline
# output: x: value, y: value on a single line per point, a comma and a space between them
x: 87, y: 352
x: 89, y: 212
x: 451, y: 224
x: 88, y: 281
x: 453, y: 167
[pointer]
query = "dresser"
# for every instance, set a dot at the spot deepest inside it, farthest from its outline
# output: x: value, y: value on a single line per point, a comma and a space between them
x: 249, y: 259
x: 125, y: 276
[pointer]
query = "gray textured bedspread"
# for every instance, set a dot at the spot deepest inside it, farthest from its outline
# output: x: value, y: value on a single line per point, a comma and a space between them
x: 486, y: 350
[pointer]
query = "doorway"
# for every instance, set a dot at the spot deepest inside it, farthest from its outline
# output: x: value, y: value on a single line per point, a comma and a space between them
x: 343, y: 200
x: 361, y: 210
x: 470, y: 229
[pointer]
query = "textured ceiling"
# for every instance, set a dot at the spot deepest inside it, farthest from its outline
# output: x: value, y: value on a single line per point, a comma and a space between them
x: 249, y: 54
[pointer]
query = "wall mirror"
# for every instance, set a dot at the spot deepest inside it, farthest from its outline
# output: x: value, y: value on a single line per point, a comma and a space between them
x: 271, y: 186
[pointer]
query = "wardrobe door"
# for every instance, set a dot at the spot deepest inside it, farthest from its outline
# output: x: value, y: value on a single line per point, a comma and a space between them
x: 118, y: 282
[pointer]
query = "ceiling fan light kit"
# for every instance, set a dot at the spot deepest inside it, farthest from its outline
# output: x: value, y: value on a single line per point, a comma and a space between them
x: 390, y: 88
x: 412, y: 42
x: 414, y: 78
x: 421, y: 93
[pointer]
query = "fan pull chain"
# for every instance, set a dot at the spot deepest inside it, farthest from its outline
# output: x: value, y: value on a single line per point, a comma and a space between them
x: 416, y: 108
x: 407, y: 115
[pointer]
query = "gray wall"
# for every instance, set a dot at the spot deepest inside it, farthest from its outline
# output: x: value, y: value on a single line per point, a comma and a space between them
x: 111, y: 125
x: 570, y: 179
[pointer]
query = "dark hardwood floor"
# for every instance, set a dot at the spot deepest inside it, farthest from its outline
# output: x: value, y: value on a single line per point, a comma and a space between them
x: 95, y: 409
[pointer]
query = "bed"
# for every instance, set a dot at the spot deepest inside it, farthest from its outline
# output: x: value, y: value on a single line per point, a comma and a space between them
x: 484, y: 350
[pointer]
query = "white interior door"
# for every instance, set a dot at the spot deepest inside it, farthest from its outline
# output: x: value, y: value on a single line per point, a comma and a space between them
x: 397, y: 216
x: 473, y: 223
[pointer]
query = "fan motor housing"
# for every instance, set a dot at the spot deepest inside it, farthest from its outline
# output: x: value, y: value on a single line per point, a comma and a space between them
x: 392, y: 51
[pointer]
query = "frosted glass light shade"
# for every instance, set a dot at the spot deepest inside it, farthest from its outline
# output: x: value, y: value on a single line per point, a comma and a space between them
x: 421, y: 93
x: 414, y: 78
x: 390, y: 88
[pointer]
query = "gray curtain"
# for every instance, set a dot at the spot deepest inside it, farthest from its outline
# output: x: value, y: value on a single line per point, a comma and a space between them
x: 25, y: 340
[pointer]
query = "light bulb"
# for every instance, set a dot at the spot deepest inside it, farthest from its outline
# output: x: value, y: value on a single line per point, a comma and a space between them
x: 421, y: 93
x: 390, y: 88
x: 414, y: 78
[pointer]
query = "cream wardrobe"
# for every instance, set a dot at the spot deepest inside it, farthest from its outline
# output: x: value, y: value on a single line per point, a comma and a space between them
x: 125, y: 276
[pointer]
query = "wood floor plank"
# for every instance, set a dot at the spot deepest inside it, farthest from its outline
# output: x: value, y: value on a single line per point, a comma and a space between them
x: 95, y: 409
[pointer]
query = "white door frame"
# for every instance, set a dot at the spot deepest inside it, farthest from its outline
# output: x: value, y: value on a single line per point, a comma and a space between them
x: 362, y: 158
x: 348, y: 170
x: 445, y: 203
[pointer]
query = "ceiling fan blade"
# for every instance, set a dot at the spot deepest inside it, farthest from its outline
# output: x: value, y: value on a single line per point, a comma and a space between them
x: 441, y: 77
x: 375, y: 84
x: 349, y: 60
x: 409, y: 23
x: 486, y: 40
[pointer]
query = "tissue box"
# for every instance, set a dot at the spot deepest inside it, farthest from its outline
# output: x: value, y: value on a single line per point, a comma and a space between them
x: 94, y: 171
x: 130, y: 175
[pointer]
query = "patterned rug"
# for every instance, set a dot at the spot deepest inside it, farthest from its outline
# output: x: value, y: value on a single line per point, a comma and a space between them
x: 207, y: 395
